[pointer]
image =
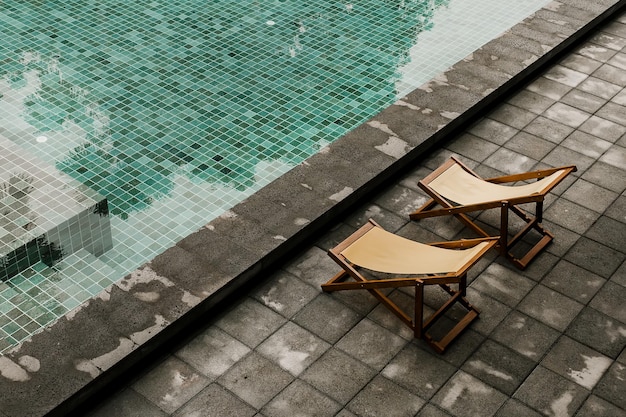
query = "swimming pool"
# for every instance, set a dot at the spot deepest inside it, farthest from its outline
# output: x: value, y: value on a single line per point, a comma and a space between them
x: 176, y: 111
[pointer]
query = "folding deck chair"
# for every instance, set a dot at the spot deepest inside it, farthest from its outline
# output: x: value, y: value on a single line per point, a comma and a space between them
x: 459, y: 191
x: 406, y: 263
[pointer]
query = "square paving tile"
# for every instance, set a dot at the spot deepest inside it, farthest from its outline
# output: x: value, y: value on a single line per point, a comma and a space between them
x: 525, y: 335
x: 327, y: 318
x: 421, y: 372
x: 609, y: 232
x: 550, y: 307
x: 610, y: 301
x: 503, y: 284
x: 129, y: 404
x: 603, y: 128
x: 514, y: 408
x: 570, y: 215
x: 573, y: 281
x: 313, y: 267
x: 530, y: 101
x: 586, y: 144
x: 215, y: 401
x: 607, y: 176
x: 371, y: 343
x: 499, y: 366
x: 599, y: 331
x: 548, y: 129
x: 597, y: 407
x: 464, y: 395
x: 576, y: 362
x: 212, y: 352
x: 171, y: 384
x: 611, y: 386
x: 293, y: 348
x: 383, y: 397
x: 250, y: 322
x: 550, y: 393
x: 285, y: 294
x: 298, y: 399
x: 338, y: 375
x: 255, y: 379
x: 590, y: 195
x: 595, y: 257
x: 493, y: 131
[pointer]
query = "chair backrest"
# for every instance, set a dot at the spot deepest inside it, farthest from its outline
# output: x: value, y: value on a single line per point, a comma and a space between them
x: 457, y: 185
x: 382, y: 251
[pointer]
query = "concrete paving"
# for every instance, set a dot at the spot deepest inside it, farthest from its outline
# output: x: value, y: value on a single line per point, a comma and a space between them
x: 550, y: 339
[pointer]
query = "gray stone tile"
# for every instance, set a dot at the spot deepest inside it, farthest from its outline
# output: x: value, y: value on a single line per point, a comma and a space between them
x: 565, y: 75
x: 465, y: 396
x: 420, y: 371
x: 430, y: 410
x: 617, y: 209
x: 620, y: 98
x: 513, y: 116
x: 576, y: 362
x: 618, y: 60
x: 609, y: 232
x: 530, y: 101
x: 314, y: 267
x: 472, y: 147
x: 550, y: 393
x: 595, y: 257
x: 600, y: 88
x: 580, y: 63
x: 566, y: 114
x: 597, y: 407
x: 598, y: 331
x: 613, y: 112
x: 510, y: 162
x: 492, y: 312
x: 383, y: 397
x: 611, y: 386
x: 255, y: 380
x: 550, y: 307
x: 299, y: 398
x: 338, y: 375
x: 529, y: 145
x: 586, y: 144
x: 371, y: 343
x: 548, y: 88
x: 215, y: 401
x: 596, y: 52
x: 573, y: 281
x: 284, y: 293
x: 610, y: 301
x: 401, y: 200
x: 607, y: 176
x: 381, y: 314
x: 583, y: 101
x: 212, y: 352
x: 525, y: 335
x: 498, y: 366
x: 549, y: 130
x: 608, y: 41
x: 492, y: 131
x: 570, y: 215
x: 293, y: 348
x: 615, y: 156
x: 388, y: 220
x: 619, y: 277
x: 327, y: 318
x: 129, y: 404
x: 171, y: 384
x: 611, y: 71
x: 250, y: 322
x: 503, y: 284
x: 603, y: 127
x: 590, y: 195
x: 514, y: 408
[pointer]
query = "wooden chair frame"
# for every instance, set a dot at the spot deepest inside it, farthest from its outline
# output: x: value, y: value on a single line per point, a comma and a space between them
x: 416, y: 323
x: 506, y: 244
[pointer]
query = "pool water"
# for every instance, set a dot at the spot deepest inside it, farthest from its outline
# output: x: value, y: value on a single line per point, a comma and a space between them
x: 177, y: 110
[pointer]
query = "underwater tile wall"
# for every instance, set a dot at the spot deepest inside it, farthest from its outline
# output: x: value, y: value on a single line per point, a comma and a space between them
x: 174, y: 111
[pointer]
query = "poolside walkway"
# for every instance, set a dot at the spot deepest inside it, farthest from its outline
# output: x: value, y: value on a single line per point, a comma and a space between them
x: 550, y: 340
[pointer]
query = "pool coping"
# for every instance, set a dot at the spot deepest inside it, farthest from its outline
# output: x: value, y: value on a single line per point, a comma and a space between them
x: 122, y: 329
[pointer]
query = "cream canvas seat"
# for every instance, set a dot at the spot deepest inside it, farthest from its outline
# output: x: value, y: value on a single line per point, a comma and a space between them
x: 407, y: 263
x: 459, y: 191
